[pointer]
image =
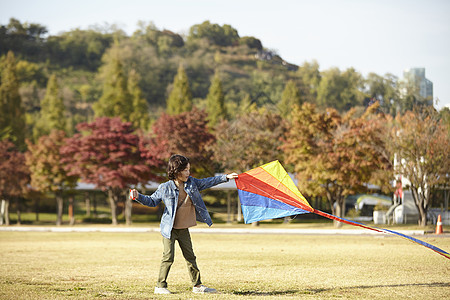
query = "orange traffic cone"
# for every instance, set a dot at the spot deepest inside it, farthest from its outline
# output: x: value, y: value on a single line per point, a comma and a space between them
x: 439, y: 225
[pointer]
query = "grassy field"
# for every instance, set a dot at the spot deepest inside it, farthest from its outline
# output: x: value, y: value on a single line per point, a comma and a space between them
x: 44, y: 265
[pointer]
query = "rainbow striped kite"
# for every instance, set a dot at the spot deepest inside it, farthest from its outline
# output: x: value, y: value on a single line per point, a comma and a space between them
x: 267, y: 192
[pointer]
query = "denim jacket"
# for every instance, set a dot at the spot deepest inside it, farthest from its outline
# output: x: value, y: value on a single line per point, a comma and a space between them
x: 168, y: 193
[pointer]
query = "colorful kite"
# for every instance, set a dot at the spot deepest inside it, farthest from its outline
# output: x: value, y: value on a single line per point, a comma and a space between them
x: 267, y: 192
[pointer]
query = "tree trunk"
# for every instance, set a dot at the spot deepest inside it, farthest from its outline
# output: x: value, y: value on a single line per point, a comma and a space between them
x: 340, y: 211
x: 113, y: 203
x: 71, y: 211
x: 59, y: 208
x: 2, y: 211
x: 419, y: 201
x: 128, y: 209
x: 5, y: 206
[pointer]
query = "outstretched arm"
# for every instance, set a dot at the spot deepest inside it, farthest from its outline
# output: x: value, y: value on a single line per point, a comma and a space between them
x: 152, y: 200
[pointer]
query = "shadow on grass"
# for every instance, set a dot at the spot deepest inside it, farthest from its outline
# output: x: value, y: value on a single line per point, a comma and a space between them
x: 321, y: 290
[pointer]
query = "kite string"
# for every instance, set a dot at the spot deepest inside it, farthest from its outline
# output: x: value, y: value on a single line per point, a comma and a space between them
x: 381, y: 230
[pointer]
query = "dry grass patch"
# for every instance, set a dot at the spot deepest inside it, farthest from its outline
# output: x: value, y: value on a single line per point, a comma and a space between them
x: 124, y: 266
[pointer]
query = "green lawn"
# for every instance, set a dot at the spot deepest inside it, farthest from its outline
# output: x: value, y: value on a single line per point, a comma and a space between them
x: 46, y: 265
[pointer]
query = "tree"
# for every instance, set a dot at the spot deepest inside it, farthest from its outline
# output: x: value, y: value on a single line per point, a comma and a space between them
x: 289, y: 98
x: 108, y: 154
x: 384, y: 90
x: 340, y: 90
x: 14, y: 177
x: 116, y: 100
x: 187, y: 134
x: 12, y: 116
x: 47, y: 167
x: 250, y: 140
x: 52, y: 110
x: 217, y: 35
x: 215, y: 106
x: 310, y: 75
x: 334, y: 155
x: 26, y: 40
x: 139, y: 116
x: 180, y: 97
x: 420, y: 142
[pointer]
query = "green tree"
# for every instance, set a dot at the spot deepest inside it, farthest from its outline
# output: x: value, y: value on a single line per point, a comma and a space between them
x: 383, y: 89
x: 52, y: 114
x: 340, y: 90
x: 25, y: 39
x: 217, y: 35
x: 12, y: 115
x: 139, y: 117
x: 180, y: 97
x: 215, y: 101
x: 310, y: 75
x: 289, y: 98
x: 116, y: 100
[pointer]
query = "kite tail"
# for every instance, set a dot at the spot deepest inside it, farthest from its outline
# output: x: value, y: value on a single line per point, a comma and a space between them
x: 381, y: 230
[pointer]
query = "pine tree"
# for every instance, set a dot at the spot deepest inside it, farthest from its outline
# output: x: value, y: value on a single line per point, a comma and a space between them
x: 180, y: 98
x: 52, y: 115
x: 139, y: 117
x: 215, y: 101
x: 12, y: 115
x: 289, y: 98
x: 115, y: 101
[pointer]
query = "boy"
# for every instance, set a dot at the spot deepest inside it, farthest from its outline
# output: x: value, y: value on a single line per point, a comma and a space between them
x: 183, y: 207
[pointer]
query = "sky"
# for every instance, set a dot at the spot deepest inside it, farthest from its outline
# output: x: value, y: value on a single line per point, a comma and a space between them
x: 379, y: 36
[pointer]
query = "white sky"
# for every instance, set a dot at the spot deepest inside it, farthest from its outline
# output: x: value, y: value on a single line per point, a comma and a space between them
x: 380, y: 36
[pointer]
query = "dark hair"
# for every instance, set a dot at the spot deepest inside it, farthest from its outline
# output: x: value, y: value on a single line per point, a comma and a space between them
x: 177, y: 163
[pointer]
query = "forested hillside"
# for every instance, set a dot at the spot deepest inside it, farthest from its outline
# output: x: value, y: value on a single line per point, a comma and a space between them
x: 86, y: 64
x: 105, y: 108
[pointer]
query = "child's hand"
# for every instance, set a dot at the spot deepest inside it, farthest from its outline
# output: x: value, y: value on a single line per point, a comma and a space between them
x: 232, y: 176
x: 133, y: 194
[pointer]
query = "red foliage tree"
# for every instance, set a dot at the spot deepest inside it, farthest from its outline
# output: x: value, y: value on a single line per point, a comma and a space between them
x: 14, y: 176
x: 187, y: 134
x: 110, y: 155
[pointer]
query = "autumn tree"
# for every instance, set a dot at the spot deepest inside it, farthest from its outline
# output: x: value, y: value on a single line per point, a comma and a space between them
x: 215, y: 101
x: 52, y: 114
x: 14, y: 177
x: 420, y: 142
x: 187, y: 134
x: 108, y: 154
x: 180, y: 97
x: 12, y: 115
x: 252, y: 139
x: 334, y: 155
x: 48, y: 173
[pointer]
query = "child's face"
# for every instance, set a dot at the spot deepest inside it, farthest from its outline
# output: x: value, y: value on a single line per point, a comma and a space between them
x: 184, y: 175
